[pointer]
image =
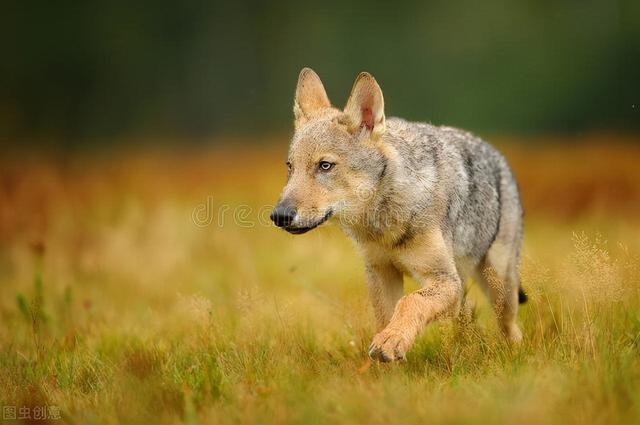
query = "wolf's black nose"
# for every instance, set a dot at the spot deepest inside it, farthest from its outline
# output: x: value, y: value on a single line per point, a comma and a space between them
x: 283, y: 215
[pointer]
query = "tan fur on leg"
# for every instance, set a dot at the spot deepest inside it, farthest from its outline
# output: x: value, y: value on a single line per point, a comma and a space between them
x: 385, y: 289
x: 413, y: 312
x: 503, y: 294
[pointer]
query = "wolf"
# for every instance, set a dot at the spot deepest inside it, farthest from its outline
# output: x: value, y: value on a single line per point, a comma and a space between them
x: 435, y: 203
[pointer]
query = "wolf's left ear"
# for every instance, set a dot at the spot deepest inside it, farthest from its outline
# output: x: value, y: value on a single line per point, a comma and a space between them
x: 365, y: 107
x: 310, y: 98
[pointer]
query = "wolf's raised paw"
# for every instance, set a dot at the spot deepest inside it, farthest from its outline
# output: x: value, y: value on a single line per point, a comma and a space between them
x: 389, y: 345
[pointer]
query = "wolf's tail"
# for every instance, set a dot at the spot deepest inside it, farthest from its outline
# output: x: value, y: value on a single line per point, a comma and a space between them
x: 522, y: 296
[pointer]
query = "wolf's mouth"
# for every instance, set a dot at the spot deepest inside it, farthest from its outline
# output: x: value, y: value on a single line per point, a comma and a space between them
x: 300, y: 230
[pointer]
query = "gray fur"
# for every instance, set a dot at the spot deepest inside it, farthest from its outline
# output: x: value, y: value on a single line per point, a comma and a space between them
x: 476, y: 180
x: 473, y: 180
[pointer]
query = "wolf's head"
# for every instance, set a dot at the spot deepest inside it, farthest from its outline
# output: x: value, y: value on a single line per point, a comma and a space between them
x: 336, y: 158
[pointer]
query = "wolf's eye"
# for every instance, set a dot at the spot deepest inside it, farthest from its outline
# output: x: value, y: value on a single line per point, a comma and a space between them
x: 325, y: 165
x: 288, y: 167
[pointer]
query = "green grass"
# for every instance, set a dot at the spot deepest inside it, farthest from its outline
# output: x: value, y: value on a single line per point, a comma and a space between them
x: 134, y: 314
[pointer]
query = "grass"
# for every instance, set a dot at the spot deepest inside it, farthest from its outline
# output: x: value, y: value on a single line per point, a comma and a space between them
x: 116, y: 307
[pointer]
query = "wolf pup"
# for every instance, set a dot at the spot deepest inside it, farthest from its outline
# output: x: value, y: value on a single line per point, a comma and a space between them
x: 435, y: 203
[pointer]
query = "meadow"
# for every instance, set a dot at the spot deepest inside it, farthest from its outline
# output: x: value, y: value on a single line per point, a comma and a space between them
x: 145, y: 285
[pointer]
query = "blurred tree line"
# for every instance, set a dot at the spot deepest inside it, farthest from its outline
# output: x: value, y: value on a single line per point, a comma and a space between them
x: 95, y: 70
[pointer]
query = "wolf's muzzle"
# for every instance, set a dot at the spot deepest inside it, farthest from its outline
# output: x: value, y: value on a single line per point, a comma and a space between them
x: 298, y: 230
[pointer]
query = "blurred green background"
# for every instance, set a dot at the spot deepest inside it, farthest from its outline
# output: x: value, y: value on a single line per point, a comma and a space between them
x: 81, y: 72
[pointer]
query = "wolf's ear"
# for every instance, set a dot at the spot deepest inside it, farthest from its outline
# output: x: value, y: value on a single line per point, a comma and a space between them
x: 310, y: 97
x: 365, y: 107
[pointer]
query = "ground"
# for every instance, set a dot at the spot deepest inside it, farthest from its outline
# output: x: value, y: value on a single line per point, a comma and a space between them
x: 146, y: 284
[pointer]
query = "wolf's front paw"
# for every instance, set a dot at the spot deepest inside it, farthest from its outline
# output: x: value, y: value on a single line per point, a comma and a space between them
x: 389, y: 345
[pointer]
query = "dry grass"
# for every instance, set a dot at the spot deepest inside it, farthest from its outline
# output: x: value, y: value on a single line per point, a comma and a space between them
x: 116, y: 307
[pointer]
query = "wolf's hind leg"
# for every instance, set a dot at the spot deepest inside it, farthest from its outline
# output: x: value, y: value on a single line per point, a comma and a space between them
x: 498, y: 277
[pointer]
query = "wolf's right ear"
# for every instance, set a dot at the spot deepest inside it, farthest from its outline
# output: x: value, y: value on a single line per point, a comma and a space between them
x: 365, y: 107
x: 310, y: 97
